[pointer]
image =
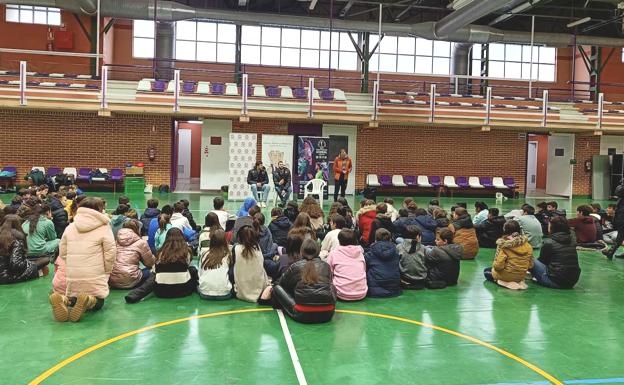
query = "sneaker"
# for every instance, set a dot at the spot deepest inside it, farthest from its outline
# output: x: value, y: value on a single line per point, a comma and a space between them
x: 607, y: 254
x: 59, y: 307
x: 83, y: 303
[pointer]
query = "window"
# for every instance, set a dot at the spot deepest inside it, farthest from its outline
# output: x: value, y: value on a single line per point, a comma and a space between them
x: 205, y: 41
x: 411, y: 55
x: 513, y: 61
x: 143, y: 39
x: 33, y: 15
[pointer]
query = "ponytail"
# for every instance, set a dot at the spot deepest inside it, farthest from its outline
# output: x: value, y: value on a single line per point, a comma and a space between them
x: 309, y: 251
x: 37, y: 212
x: 163, y: 221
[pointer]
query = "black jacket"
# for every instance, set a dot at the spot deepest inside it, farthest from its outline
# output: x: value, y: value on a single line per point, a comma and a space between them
x: 15, y: 267
x: 279, y: 228
x: 559, y: 254
x: 383, y: 275
x: 383, y: 221
x: 400, y: 225
x: 59, y: 217
x: 279, y: 174
x: 254, y: 176
x: 147, y: 217
x: 463, y: 222
x: 320, y: 293
x: 443, y: 263
x: 442, y: 223
x: 489, y: 231
x: 188, y: 215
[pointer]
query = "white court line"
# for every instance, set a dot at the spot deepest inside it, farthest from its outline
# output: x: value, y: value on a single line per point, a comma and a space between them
x: 291, y: 349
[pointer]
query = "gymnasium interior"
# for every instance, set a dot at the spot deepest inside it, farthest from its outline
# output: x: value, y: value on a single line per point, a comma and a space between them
x: 505, y: 102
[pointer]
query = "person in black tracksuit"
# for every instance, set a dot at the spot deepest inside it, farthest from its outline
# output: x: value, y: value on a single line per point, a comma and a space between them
x: 282, y: 181
x: 618, y: 221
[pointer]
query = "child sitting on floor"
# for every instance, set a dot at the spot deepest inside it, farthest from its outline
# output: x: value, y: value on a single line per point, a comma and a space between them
x: 131, y: 250
x: 514, y: 257
x: 382, y: 264
x: 250, y: 278
x: 442, y: 261
x: 349, y: 267
x: 215, y: 262
x: 412, y: 263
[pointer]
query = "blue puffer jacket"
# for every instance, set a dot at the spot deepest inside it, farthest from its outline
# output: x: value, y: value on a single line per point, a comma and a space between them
x: 382, y: 270
x: 427, y: 226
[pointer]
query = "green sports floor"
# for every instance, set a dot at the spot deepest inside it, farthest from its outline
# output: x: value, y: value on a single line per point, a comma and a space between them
x: 473, y: 334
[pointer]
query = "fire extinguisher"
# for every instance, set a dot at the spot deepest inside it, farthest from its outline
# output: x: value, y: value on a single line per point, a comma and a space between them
x: 50, y: 37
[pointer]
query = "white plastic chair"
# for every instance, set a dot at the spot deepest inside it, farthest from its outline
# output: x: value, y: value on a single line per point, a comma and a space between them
x: 473, y: 182
x: 286, y: 92
x: 42, y: 169
x: 231, y: 89
x: 103, y: 171
x: 144, y: 85
x: 372, y: 180
x: 70, y: 171
x: 423, y: 181
x: 203, y: 88
x: 318, y: 185
x: 397, y: 181
x: 258, y: 90
x: 449, y: 181
x: 498, y: 183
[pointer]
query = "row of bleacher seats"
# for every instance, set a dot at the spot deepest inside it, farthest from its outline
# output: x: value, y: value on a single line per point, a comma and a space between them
x: 49, y: 75
x: 424, y: 181
x: 33, y: 83
x: 232, y: 89
x: 464, y: 104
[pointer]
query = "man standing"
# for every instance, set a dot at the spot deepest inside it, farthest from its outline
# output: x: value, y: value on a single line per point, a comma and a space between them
x: 342, y: 168
x: 258, y: 180
x: 282, y: 182
x: 618, y: 221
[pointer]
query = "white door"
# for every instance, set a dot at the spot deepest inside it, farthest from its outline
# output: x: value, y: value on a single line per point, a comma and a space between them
x: 351, y: 133
x: 215, y: 156
x: 184, y: 154
x: 531, y: 178
x: 559, y: 174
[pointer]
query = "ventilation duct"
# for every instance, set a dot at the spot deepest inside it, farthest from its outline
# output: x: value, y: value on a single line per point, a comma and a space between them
x: 468, y: 14
x: 460, y: 63
x: 165, y: 42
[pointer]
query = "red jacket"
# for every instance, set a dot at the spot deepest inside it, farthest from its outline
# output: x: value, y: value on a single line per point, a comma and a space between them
x: 585, y: 229
x: 338, y: 163
x: 366, y: 216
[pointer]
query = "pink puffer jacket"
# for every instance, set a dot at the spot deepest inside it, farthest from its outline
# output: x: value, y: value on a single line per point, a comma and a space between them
x: 131, y: 249
x: 88, y: 250
x: 59, y: 282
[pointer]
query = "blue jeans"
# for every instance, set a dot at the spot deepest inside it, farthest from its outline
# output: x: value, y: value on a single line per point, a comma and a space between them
x: 283, y: 192
x: 265, y: 192
x: 540, y: 273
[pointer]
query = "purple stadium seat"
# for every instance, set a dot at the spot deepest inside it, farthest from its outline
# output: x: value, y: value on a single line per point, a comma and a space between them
x: 188, y: 87
x: 273, y: 92
x: 52, y: 171
x: 159, y: 86
x: 4, y: 81
x: 435, y: 181
x: 116, y: 174
x: 509, y: 182
x: 71, y: 76
x: 410, y: 180
x: 84, y: 174
x: 486, y: 181
x: 32, y: 83
x: 64, y: 85
x: 299, y: 93
x: 461, y: 181
x: 218, y: 88
x: 385, y: 180
x: 93, y: 86
x: 328, y: 95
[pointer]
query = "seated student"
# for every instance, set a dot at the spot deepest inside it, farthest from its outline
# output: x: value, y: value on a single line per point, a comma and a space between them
x: 411, y: 208
x: 333, y: 209
x: 442, y: 261
x: 349, y: 267
x: 346, y: 212
x: 212, y: 224
x: 59, y: 215
x: 188, y: 215
x: 441, y: 218
x: 317, y: 218
x: 400, y: 225
x: 406, y: 202
x: 250, y: 278
x: 382, y: 221
x: 434, y: 204
x: 154, y: 225
x: 150, y: 213
x: 124, y: 200
x: 557, y: 266
x: 364, y: 220
x: 383, y: 276
x: 74, y: 206
x: 224, y: 216
x: 279, y: 227
x: 131, y: 250
x: 481, y: 210
x: 394, y: 214
x: 543, y: 216
x: 164, y: 225
x: 267, y: 246
x: 609, y: 233
x: 27, y: 209
x: 14, y: 265
x: 303, y: 227
x: 258, y: 180
x: 490, y: 230
x: 553, y: 210
x: 173, y: 276
x: 330, y: 242
x: 41, y: 237
x: 291, y: 211
x: 17, y: 202
x: 69, y: 200
x: 531, y: 227
x: 291, y: 254
x: 214, y: 268
x: 584, y: 226
x: 305, y: 290
x: 120, y: 216
x: 412, y: 262
x: 514, y: 257
x: 464, y: 233
x: 427, y: 226
x: 87, y: 254
x: 178, y: 219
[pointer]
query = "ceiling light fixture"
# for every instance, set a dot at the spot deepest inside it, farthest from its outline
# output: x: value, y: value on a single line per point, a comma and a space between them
x: 312, y: 5
x: 579, y: 22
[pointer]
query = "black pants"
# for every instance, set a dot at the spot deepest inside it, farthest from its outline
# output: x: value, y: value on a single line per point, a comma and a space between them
x: 618, y: 241
x: 340, y: 184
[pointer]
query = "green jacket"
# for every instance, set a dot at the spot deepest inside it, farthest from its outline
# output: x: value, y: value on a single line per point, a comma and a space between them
x: 43, y: 240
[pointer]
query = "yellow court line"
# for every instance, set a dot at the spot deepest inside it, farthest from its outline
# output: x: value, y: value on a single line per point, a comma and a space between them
x: 43, y: 376
x: 529, y: 365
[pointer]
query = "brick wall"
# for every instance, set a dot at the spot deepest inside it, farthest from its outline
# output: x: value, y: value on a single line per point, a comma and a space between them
x: 584, y: 148
x: 65, y: 139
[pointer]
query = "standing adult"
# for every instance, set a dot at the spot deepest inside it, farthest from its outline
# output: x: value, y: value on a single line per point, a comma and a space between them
x: 282, y: 182
x: 342, y: 168
x: 618, y: 221
x: 258, y: 180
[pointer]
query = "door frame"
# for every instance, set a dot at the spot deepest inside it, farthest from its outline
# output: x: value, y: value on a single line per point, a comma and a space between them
x: 528, y: 183
x: 572, y: 155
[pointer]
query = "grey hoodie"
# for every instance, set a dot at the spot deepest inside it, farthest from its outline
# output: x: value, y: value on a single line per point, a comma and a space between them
x: 412, y: 265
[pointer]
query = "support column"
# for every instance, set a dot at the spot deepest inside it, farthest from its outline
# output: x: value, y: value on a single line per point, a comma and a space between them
x: 364, y: 60
x: 165, y: 40
x: 238, y: 66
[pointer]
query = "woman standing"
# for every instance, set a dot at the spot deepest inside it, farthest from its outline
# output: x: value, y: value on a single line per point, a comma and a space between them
x: 342, y: 168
